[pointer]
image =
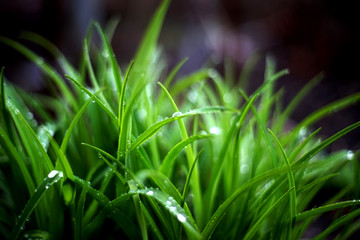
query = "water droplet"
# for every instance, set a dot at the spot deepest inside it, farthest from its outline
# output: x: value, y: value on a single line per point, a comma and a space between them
x: 29, y: 115
x: 142, y: 113
x: 350, y: 155
x: 150, y: 193
x: 244, y: 168
x: 212, y: 73
x: 181, y: 218
x: 227, y: 98
x: 170, y: 198
x: 172, y: 208
x: 193, y: 96
x: 177, y: 114
x: 52, y: 173
x: 47, y: 186
x: 168, y: 202
x: 215, y: 130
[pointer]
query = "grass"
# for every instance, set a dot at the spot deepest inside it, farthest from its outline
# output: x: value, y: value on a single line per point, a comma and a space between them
x: 114, y: 152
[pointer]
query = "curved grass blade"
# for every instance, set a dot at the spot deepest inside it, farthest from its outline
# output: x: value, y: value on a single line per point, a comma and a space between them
x: 13, y: 154
x: 114, y: 66
x: 78, y: 115
x: 234, y: 129
x: 291, y: 184
x: 325, y: 143
x: 46, y: 68
x: 338, y: 223
x: 187, y: 182
x: 317, y: 211
x: 31, y: 141
x: 255, y: 227
x: 170, y: 157
x: 107, y: 109
x: 225, y: 206
x: 49, y: 46
x: 297, y: 99
x: 61, y: 158
x: 328, y: 109
x: 105, y: 155
x: 52, y: 178
x: 151, y: 131
x: 151, y: 221
x: 173, y: 207
x: 187, y: 81
x: 302, y: 145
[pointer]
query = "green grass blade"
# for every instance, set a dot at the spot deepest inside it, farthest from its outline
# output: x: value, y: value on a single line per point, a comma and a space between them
x: 251, y: 232
x: 52, y: 178
x: 114, y: 66
x: 328, y: 109
x: 302, y: 145
x: 151, y: 131
x: 338, y: 223
x: 31, y: 140
x: 325, y: 143
x: 225, y: 206
x: 106, y: 108
x: 62, y: 160
x: 168, y: 162
x: 187, y: 182
x: 151, y: 221
x: 297, y: 99
x: 14, y: 156
x: 317, y: 211
x: 70, y: 129
x: 291, y: 183
x: 46, y: 68
x: 48, y: 45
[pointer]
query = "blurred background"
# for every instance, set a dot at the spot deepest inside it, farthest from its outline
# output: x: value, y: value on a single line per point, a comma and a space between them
x: 306, y: 36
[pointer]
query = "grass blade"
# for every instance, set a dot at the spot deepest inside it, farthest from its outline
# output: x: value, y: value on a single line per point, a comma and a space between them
x: 317, y: 211
x: 52, y: 178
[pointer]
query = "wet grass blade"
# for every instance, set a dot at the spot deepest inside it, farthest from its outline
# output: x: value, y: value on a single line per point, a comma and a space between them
x: 151, y: 131
x: 251, y: 232
x: 52, y: 178
x: 169, y: 160
x: 46, y: 68
x: 107, y: 109
x: 317, y: 211
x: 291, y: 183
x: 325, y: 143
x: 225, y: 206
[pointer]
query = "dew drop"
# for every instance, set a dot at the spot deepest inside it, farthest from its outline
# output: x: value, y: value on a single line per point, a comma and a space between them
x: 52, y: 173
x: 244, y: 168
x: 177, y: 114
x: 47, y: 186
x: 29, y: 115
x: 150, y: 193
x: 168, y: 202
x: 212, y: 73
x: 142, y: 113
x: 215, y: 130
x: 227, y: 98
x: 193, y: 96
x: 181, y: 218
x: 350, y: 155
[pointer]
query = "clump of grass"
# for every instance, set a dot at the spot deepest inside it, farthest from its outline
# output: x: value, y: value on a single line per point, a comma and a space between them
x: 197, y: 158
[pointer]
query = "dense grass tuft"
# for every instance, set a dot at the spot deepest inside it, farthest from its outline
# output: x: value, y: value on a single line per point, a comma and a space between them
x: 139, y: 153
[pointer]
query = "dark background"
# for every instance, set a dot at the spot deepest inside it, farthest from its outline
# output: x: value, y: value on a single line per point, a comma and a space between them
x: 303, y: 35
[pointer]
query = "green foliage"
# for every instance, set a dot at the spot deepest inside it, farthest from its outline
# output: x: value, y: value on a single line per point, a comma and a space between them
x: 127, y: 156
